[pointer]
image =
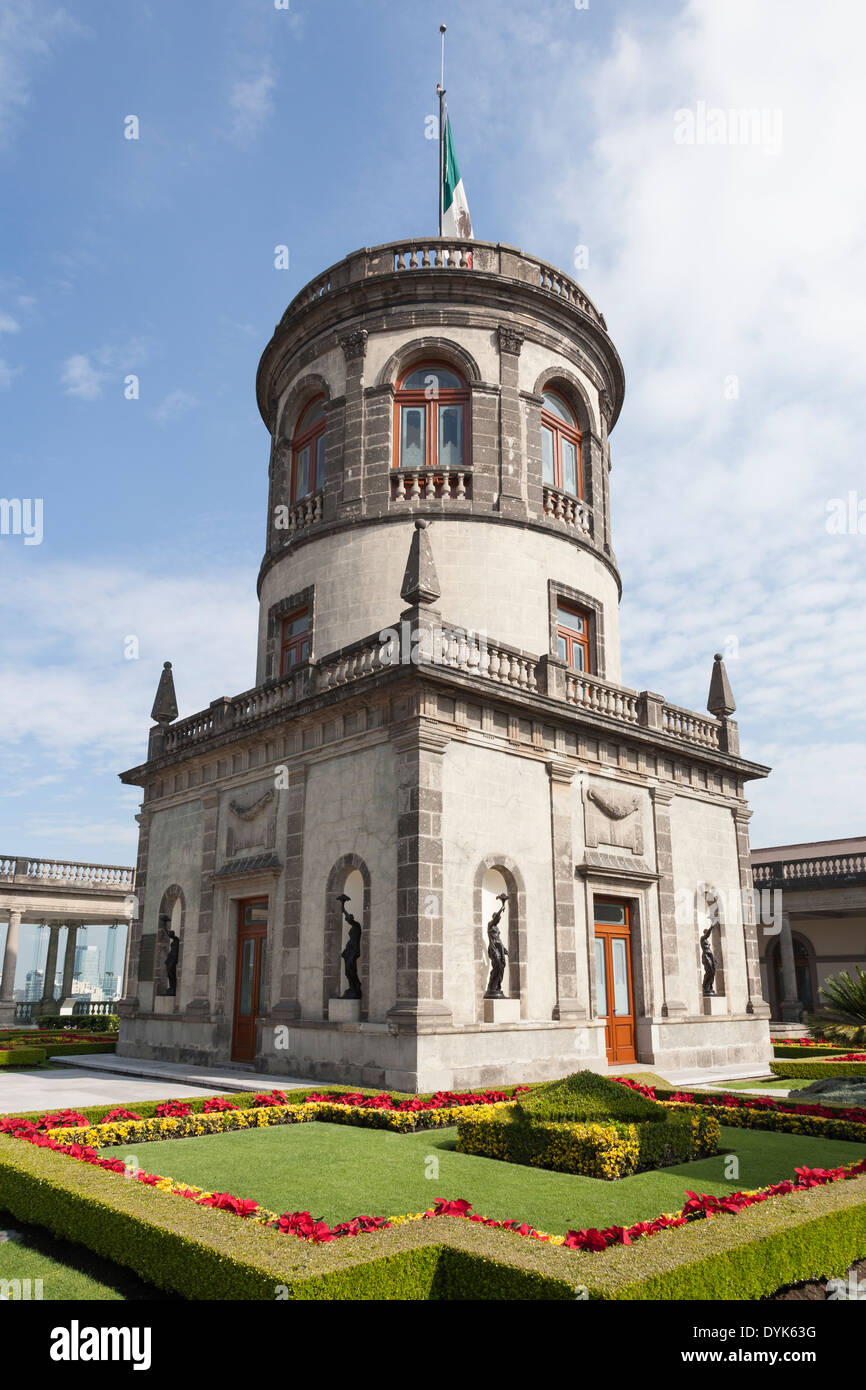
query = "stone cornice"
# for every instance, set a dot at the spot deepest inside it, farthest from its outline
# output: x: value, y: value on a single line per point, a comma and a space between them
x: 394, y: 683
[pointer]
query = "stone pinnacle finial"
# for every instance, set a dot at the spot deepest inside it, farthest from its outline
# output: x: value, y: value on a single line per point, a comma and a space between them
x: 420, y: 582
x: 720, y: 700
x: 165, y: 705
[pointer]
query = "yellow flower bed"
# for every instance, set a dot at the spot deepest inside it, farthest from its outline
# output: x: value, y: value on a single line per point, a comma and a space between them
x: 593, y: 1150
x: 221, y: 1121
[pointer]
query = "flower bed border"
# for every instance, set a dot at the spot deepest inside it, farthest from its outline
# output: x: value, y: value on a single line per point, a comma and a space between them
x: 185, y: 1248
x: 698, y: 1206
x: 806, y: 1069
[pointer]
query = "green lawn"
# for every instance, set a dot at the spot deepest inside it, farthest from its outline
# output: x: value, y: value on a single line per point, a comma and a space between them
x: 337, y: 1172
x: 67, y: 1271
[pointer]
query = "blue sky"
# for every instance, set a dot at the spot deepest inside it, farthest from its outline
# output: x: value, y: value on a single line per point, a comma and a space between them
x: 730, y: 275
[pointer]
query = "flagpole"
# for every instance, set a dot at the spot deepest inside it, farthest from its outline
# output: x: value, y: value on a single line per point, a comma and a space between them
x: 442, y: 133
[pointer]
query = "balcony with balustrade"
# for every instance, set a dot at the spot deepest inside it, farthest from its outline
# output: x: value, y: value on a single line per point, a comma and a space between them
x: 447, y: 655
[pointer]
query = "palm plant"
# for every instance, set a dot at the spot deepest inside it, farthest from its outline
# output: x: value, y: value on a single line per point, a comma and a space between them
x: 843, y: 1016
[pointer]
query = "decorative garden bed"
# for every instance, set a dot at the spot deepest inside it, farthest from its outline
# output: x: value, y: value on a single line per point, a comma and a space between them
x: 848, y: 1064
x: 180, y: 1237
x: 805, y: 1047
x: 31, y: 1047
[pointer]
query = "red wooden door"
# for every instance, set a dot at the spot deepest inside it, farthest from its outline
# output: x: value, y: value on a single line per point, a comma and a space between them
x: 249, y: 976
x: 613, y: 981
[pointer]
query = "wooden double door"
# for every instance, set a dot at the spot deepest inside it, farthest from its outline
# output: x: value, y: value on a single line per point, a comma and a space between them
x: 249, y: 976
x: 613, y: 978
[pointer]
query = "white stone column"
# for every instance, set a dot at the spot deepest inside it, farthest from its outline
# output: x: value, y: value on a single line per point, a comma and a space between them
x: 791, y: 1005
x: 10, y: 965
x: 51, y: 964
x: 69, y: 960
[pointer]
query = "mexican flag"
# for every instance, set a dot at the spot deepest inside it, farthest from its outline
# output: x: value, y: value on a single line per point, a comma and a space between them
x: 456, y: 221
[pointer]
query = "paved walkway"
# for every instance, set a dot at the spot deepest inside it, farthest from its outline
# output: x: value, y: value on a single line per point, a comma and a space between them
x: 213, y: 1079
x: 76, y: 1086
x: 102, y: 1078
x: 706, y: 1076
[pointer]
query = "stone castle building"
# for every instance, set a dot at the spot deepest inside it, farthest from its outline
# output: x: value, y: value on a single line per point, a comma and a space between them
x: 438, y: 720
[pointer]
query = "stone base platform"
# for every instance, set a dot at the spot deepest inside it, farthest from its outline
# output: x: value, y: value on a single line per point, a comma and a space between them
x: 448, y: 1057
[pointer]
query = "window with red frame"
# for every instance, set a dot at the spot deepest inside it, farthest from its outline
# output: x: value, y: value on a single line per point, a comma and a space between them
x: 560, y: 445
x: 295, y: 644
x: 308, y: 451
x: 430, y: 419
x: 572, y: 636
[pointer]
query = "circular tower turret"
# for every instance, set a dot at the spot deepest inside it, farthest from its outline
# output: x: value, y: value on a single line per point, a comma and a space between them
x: 465, y: 383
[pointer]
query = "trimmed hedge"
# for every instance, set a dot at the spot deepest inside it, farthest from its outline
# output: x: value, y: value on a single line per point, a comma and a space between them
x: 807, y: 1235
x: 202, y: 1254
x: 22, y: 1056
x: 819, y: 1050
x: 608, y: 1151
x: 27, y: 1055
x: 816, y: 1070
x: 89, y: 1023
x: 73, y: 1049
x: 780, y: 1121
x: 586, y: 1097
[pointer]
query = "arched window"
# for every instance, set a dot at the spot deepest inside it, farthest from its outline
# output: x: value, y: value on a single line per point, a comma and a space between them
x: 560, y: 445
x: 308, y: 451
x: 430, y: 419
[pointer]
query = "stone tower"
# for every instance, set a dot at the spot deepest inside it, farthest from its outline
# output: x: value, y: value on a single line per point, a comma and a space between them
x: 439, y: 720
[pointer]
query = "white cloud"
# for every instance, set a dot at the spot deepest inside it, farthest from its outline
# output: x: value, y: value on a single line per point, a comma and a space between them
x: 83, y: 374
x: 8, y: 324
x: 29, y: 36
x: 251, y: 103
x: 174, y: 404
x: 79, y: 377
x: 71, y: 691
x: 7, y: 374
x: 711, y: 262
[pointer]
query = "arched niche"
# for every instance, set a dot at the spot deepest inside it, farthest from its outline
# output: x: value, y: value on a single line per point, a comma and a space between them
x: 351, y: 876
x: 494, y: 875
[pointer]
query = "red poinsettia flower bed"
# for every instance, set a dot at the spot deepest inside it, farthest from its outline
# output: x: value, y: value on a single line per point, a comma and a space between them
x: 725, y: 1100
x: 801, y: 1042
x: 698, y: 1206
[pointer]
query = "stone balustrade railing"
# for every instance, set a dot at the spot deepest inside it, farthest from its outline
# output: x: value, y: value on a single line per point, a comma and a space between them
x: 694, y: 728
x: 561, y: 506
x: 602, y: 697
x: 455, y: 649
x: 66, y: 873
x: 424, y: 484
x: 96, y: 1007
x: 435, y: 253
x: 304, y: 513
x: 477, y: 656
x: 829, y: 869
